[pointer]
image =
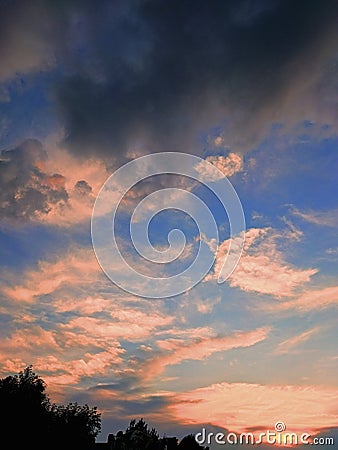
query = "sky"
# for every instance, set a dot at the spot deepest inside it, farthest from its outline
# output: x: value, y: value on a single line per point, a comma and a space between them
x: 247, y: 91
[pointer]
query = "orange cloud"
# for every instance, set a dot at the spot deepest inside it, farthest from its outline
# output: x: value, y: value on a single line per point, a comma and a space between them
x: 321, y: 218
x: 262, y: 267
x: 130, y: 324
x: 260, y: 274
x: 33, y: 338
x: 289, y: 344
x: 310, y: 300
x: 63, y: 362
x: 199, y: 349
x: 65, y: 171
x: 239, y: 407
x: 226, y: 165
x: 74, y: 267
x: 87, y: 305
x: 55, y: 181
x: 62, y: 372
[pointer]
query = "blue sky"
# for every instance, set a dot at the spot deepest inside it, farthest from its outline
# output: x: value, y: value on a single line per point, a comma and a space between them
x: 84, y: 89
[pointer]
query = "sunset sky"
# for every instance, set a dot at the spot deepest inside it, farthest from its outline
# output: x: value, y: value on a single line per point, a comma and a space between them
x: 249, y: 86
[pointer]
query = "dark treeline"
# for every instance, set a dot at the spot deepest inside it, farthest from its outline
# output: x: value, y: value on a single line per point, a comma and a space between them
x: 139, y: 437
x: 31, y: 420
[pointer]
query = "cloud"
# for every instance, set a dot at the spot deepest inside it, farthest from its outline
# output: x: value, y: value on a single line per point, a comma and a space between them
x: 49, y: 186
x: 242, y: 406
x: 34, y: 338
x: 259, y: 274
x: 61, y: 355
x: 129, y: 324
x: 137, y: 75
x: 26, y: 191
x: 332, y: 251
x: 59, y: 372
x: 205, y: 306
x: 177, y: 350
x: 88, y: 366
x: 78, y: 318
x: 289, y: 344
x: 227, y: 165
x: 321, y: 218
x: 316, y: 299
x: 26, y: 42
x: 69, y: 282
x: 78, y: 267
x: 262, y: 267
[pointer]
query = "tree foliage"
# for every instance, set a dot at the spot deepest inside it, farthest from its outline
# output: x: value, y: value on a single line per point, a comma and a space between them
x: 29, y: 418
x: 138, y: 436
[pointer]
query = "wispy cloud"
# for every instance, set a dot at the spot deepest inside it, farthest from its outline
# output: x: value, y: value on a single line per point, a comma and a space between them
x: 241, y: 406
x: 289, y: 344
x: 327, y: 218
x: 129, y: 324
x: 316, y: 299
x: 77, y: 266
x: 175, y: 351
x: 262, y: 267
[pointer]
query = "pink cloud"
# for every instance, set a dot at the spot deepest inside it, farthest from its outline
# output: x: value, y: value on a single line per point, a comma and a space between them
x: 91, y: 173
x: 30, y: 339
x: 60, y: 372
x: 226, y: 165
x: 262, y: 267
x: 289, y: 344
x: 77, y: 266
x: 321, y: 218
x: 64, y: 367
x: 187, y: 334
x: 310, y: 300
x: 177, y: 350
x: 60, y: 355
x: 131, y: 324
x: 85, y: 305
x: 242, y: 406
x: 258, y: 273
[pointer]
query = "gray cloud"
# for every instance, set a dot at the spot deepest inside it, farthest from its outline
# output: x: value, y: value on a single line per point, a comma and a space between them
x: 164, y: 71
x: 26, y: 38
x: 25, y: 190
x: 145, y: 75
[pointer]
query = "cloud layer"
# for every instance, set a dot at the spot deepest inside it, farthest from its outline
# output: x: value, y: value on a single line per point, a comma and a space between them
x: 262, y: 267
x: 234, y: 406
x: 153, y: 75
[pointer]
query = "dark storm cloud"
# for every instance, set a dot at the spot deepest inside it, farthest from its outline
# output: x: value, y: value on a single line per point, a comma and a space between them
x: 25, y: 190
x: 25, y: 40
x: 147, y: 75
x: 156, y: 73
x: 83, y: 188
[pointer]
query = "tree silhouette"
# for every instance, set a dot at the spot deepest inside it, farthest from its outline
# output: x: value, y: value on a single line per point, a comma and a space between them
x: 74, y: 425
x: 29, y: 419
x: 25, y: 406
x: 138, y: 436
